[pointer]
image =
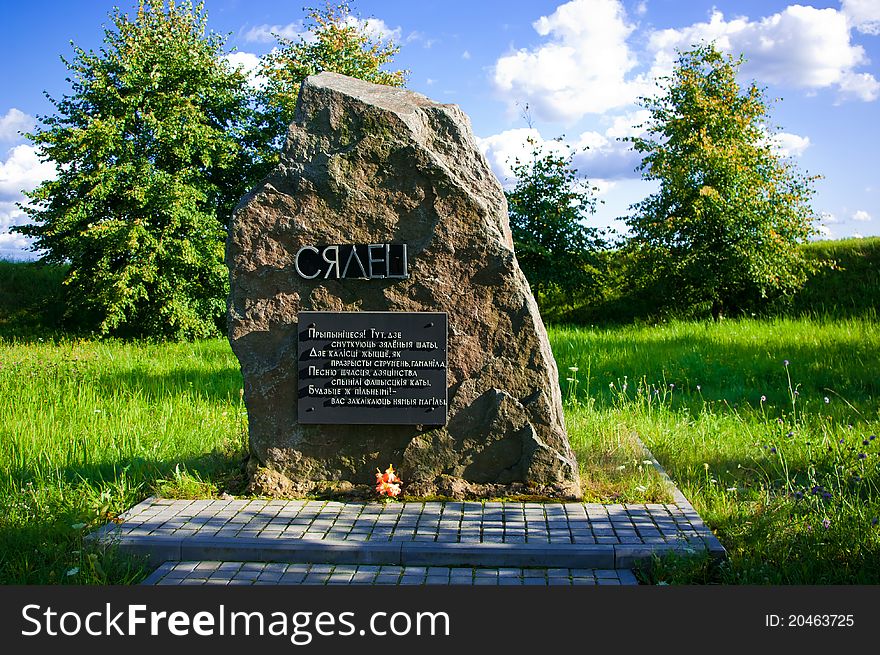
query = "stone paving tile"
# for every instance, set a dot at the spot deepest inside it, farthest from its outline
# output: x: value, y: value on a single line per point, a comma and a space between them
x: 453, y: 522
x: 255, y: 573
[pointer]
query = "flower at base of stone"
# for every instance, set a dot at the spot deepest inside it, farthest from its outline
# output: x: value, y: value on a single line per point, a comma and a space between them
x: 388, y: 483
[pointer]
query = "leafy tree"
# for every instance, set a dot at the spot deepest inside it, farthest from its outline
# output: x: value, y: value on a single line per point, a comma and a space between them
x: 334, y: 41
x: 725, y: 227
x: 555, y: 248
x: 150, y: 162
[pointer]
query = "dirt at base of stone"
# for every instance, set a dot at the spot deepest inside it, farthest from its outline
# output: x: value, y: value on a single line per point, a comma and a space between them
x: 265, y: 482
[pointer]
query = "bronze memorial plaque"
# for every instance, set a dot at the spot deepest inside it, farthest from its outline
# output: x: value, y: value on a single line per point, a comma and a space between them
x: 372, y: 368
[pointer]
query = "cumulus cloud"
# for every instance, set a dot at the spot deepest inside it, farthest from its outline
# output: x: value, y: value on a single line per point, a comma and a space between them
x: 599, y: 157
x: 502, y: 150
x: 466, y: 54
x: 265, y: 33
x: 248, y: 62
x: 786, y: 144
x: 21, y: 170
x: 581, y: 67
x: 800, y: 47
x: 864, y: 15
x: 13, y: 122
x: 862, y: 216
x: 824, y: 232
x: 375, y: 28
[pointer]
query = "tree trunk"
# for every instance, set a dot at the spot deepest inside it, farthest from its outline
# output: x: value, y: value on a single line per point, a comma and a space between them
x: 717, y: 310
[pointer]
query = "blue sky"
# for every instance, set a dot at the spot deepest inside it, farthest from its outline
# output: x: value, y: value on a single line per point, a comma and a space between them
x: 578, y: 65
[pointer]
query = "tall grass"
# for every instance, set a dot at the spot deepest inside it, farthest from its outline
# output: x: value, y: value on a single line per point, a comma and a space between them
x: 768, y: 426
x: 89, y: 428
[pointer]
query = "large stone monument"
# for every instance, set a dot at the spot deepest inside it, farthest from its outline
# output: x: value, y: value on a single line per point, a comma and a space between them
x: 379, y: 313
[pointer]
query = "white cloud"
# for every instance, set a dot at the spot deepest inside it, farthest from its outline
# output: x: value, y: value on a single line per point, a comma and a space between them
x: 857, y: 235
x: 641, y: 8
x: 824, y: 232
x: 248, y: 62
x: 466, y: 54
x: 628, y: 124
x: 13, y: 246
x: 376, y: 28
x: 786, y: 144
x: 864, y: 15
x: 863, y: 86
x: 23, y: 170
x: 580, y: 68
x: 828, y: 218
x: 800, y: 47
x: 601, y: 158
x: 502, y: 150
x: 265, y: 33
x: 862, y: 216
x: 13, y: 122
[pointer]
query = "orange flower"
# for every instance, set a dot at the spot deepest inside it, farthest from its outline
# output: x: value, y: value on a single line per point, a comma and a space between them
x: 387, y: 483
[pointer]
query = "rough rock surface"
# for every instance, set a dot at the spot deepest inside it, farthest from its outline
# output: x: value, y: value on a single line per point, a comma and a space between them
x: 372, y: 164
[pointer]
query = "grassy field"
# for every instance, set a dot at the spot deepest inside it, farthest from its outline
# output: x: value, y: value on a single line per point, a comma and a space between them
x: 89, y: 428
x: 768, y: 426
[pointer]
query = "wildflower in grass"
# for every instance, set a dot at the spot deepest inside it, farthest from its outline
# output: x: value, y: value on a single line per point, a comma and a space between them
x: 827, y: 400
x: 773, y: 450
x: 698, y: 387
x: 826, y: 523
x: 862, y: 456
x: 872, y: 437
x: 798, y: 495
x: 72, y: 572
x: 763, y: 399
x: 826, y: 495
x: 569, y: 379
x: 865, y: 442
x: 789, y: 434
x: 671, y: 386
x: 875, y: 520
x: 785, y: 363
x: 573, y: 369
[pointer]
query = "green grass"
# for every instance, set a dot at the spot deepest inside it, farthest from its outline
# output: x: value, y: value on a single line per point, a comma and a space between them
x: 89, y: 428
x: 770, y: 454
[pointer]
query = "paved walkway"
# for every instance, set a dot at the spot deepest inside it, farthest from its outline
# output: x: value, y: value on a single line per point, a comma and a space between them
x: 492, y: 534
x: 473, y: 543
x: 259, y: 573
